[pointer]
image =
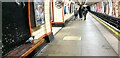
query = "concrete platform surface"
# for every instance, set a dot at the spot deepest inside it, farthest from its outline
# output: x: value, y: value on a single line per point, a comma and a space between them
x: 91, y: 43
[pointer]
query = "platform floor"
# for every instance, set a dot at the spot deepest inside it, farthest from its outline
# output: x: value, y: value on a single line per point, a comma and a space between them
x: 56, y: 29
x: 79, y: 38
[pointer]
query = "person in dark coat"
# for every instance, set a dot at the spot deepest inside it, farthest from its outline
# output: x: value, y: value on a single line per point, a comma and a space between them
x: 84, y: 11
x: 80, y: 12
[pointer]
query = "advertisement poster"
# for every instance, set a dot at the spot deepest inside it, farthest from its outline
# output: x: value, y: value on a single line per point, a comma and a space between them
x: 95, y: 7
x: 39, y: 12
x: 119, y: 9
x: 65, y: 9
x: 99, y: 7
x: 66, y: 5
x: 116, y: 9
x: 71, y: 7
x: 107, y: 8
x: 92, y: 7
x: 113, y: 9
x: 110, y: 8
x: 103, y: 7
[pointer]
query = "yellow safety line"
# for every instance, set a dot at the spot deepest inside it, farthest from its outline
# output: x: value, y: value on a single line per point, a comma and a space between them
x: 118, y: 34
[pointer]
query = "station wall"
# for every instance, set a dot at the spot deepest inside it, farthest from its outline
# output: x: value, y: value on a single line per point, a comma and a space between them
x: 108, y: 7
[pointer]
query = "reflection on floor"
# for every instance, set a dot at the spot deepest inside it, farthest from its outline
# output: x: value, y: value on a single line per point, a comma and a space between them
x: 91, y: 41
x: 56, y: 29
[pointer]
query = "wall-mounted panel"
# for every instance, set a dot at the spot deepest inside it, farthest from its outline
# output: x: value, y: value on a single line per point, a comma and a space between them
x: 57, y: 12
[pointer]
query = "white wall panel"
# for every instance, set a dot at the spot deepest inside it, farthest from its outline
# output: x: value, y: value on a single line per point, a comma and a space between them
x: 47, y: 15
x: 57, y: 14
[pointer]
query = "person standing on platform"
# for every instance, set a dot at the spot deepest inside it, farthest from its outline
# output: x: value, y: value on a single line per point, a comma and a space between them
x: 75, y: 13
x: 80, y: 12
x: 84, y: 11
